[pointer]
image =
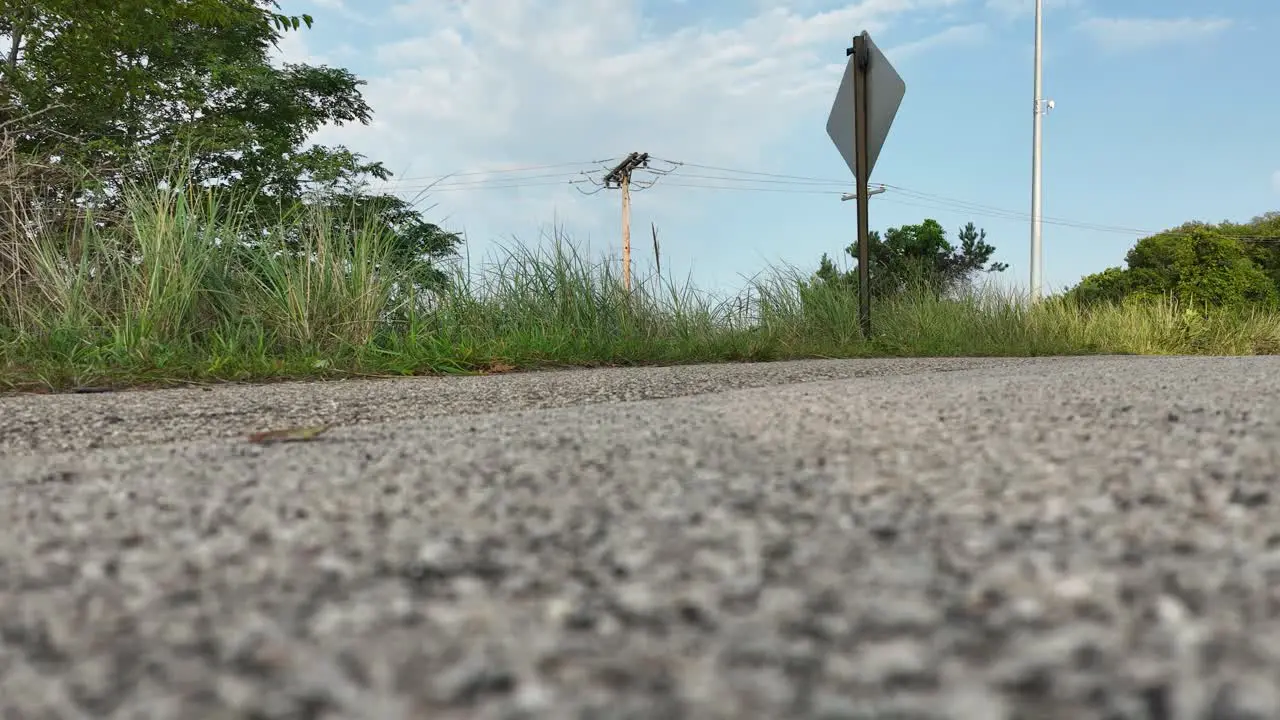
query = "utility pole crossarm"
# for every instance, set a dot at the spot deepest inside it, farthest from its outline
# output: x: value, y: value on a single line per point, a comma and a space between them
x: 854, y: 196
x: 625, y: 168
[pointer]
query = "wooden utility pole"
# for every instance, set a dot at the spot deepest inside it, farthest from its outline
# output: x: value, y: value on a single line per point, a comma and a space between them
x: 626, y: 232
x: 620, y: 177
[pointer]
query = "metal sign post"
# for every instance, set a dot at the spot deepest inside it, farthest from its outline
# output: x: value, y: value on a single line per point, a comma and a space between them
x: 861, y: 62
x: 866, y: 103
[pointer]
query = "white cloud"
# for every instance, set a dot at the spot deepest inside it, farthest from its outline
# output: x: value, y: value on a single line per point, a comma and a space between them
x: 342, y: 9
x: 497, y: 83
x: 1130, y: 34
x: 1017, y: 8
x: 292, y: 47
x: 954, y: 36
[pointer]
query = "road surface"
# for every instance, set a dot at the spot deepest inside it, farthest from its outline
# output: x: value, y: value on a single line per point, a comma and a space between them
x: 966, y: 539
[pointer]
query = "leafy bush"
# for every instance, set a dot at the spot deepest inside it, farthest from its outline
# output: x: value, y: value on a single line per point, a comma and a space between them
x: 1196, y: 263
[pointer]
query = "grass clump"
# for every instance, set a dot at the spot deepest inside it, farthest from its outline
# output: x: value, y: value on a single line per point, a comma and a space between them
x: 179, y: 291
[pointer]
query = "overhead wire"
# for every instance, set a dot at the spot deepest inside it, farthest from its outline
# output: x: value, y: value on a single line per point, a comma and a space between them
x: 945, y: 202
x: 495, y: 178
x: 813, y: 183
x: 739, y: 171
x: 463, y: 184
x: 507, y: 170
x: 501, y: 186
x: 935, y: 201
x: 704, y: 186
x: 740, y: 179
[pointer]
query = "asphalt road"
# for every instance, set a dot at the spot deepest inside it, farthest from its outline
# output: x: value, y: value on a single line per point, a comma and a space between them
x: 967, y: 539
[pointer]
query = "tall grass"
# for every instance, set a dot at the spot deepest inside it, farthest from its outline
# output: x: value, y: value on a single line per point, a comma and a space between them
x: 175, y: 293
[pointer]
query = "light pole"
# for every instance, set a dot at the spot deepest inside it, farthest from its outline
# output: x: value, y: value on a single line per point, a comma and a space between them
x: 1037, y: 138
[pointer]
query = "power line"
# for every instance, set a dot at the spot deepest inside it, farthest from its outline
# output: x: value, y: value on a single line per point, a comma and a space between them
x: 953, y: 202
x: 1011, y: 215
x: 939, y: 201
x: 705, y: 186
x: 1015, y: 215
x: 771, y: 182
x: 505, y: 171
x: 717, y: 168
x: 936, y: 204
x: 956, y: 203
x: 824, y: 181
x: 982, y: 211
x: 917, y: 199
x: 500, y: 186
x: 506, y: 182
x: 752, y: 180
x: 477, y: 183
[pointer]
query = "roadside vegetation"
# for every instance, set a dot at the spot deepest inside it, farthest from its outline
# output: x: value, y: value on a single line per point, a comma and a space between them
x: 163, y: 219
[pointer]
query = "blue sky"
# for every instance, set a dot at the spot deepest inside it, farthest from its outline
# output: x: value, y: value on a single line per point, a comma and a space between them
x: 1162, y: 116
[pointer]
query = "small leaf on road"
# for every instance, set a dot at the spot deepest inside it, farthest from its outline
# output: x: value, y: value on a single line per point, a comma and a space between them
x: 301, y: 434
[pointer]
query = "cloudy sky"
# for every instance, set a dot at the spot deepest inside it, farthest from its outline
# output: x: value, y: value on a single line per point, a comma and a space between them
x: 1162, y: 115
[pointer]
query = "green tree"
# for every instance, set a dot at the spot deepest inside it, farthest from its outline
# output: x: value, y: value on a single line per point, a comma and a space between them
x: 1194, y: 263
x: 913, y: 257
x: 114, y: 81
x: 121, y: 86
x: 1112, y: 285
x: 1262, y: 237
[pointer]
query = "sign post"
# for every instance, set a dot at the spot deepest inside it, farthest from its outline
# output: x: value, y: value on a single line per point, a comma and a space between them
x: 862, y: 60
x: 866, y: 103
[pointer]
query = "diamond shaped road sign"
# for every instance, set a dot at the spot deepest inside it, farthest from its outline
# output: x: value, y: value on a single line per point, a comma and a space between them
x: 885, y: 90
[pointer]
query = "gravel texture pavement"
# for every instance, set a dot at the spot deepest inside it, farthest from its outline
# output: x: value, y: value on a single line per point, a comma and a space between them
x: 966, y: 539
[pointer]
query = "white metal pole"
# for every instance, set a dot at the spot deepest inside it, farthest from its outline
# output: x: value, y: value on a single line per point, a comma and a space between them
x: 1037, y: 262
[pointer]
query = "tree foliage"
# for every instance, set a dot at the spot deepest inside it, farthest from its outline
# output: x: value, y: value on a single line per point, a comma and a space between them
x: 1263, y: 244
x: 121, y: 86
x: 913, y: 257
x: 1224, y: 265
